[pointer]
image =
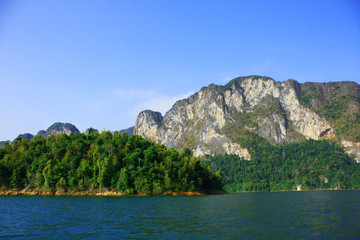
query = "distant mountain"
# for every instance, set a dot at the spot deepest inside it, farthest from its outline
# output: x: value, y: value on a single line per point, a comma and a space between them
x: 91, y: 130
x: 3, y: 143
x: 59, y: 128
x: 129, y: 131
x: 26, y: 136
x: 229, y: 119
x: 66, y: 128
x: 41, y: 132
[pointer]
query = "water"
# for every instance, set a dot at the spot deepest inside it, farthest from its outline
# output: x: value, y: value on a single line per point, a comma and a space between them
x: 281, y: 215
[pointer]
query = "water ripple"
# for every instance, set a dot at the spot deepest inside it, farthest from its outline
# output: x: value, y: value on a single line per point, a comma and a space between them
x: 284, y: 215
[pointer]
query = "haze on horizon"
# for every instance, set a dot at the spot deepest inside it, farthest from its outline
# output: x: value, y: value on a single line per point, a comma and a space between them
x: 99, y: 63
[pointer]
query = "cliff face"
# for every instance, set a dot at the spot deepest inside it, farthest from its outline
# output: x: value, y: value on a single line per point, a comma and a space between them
x: 213, y: 119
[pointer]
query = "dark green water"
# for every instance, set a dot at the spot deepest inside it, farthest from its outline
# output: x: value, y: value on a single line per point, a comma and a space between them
x: 281, y: 215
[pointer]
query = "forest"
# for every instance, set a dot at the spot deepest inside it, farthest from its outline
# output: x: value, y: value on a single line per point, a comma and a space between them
x: 97, y: 162
x: 309, y: 165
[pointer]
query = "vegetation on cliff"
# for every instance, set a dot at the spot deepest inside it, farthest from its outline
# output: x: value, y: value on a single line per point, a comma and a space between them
x: 310, y: 165
x: 102, y: 161
x: 338, y: 102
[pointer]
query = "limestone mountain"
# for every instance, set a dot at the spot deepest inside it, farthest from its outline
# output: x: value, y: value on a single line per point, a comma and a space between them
x: 219, y: 119
x: 129, y: 131
x: 26, y: 136
x: 59, y: 128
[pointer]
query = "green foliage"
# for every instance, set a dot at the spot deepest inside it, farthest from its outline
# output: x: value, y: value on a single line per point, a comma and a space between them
x: 311, y: 164
x: 95, y: 161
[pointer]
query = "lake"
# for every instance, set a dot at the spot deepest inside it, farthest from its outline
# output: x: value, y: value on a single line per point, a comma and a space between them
x: 275, y: 215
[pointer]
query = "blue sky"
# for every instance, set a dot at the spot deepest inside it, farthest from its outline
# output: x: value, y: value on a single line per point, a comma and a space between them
x: 98, y: 63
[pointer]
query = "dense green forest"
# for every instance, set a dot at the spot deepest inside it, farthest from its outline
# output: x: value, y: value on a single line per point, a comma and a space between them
x: 102, y: 161
x: 116, y: 162
x: 311, y: 164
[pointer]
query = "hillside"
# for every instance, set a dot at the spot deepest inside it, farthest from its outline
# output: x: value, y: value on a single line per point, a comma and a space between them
x: 308, y: 165
x: 100, y: 162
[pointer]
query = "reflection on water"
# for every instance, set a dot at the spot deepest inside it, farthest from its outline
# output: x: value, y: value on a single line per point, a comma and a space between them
x: 281, y: 215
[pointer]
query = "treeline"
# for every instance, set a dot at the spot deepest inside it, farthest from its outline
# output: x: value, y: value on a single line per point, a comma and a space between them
x: 99, y: 161
x: 310, y: 164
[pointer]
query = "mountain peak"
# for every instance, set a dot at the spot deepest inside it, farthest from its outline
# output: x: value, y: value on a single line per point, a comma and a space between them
x: 59, y: 128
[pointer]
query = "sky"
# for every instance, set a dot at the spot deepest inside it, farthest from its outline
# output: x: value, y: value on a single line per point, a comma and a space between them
x: 99, y: 63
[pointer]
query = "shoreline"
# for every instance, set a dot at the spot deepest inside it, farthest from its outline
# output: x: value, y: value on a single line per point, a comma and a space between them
x: 16, y: 192
x: 95, y: 193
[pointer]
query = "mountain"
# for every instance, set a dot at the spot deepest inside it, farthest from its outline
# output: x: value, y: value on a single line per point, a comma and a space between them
x: 67, y: 128
x: 59, y: 128
x: 129, y: 131
x: 221, y: 120
x: 4, y: 143
x: 55, y: 129
x: 91, y: 130
x: 26, y: 136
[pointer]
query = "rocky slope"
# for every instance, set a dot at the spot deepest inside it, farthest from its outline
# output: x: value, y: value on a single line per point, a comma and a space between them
x: 59, y: 128
x: 217, y: 119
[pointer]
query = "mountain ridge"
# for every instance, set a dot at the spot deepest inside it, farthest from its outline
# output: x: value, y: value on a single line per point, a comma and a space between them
x: 58, y: 128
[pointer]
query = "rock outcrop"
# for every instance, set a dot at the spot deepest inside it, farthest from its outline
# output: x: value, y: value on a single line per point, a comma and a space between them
x: 211, y: 120
x: 147, y: 124
x: 59, y: 128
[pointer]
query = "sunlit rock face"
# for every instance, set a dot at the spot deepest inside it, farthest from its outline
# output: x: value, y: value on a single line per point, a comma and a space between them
x: 210, y: 121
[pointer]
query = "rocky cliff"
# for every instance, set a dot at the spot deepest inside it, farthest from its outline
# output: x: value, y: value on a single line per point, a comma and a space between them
x: 216, y: 119
x: 59, y: 128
